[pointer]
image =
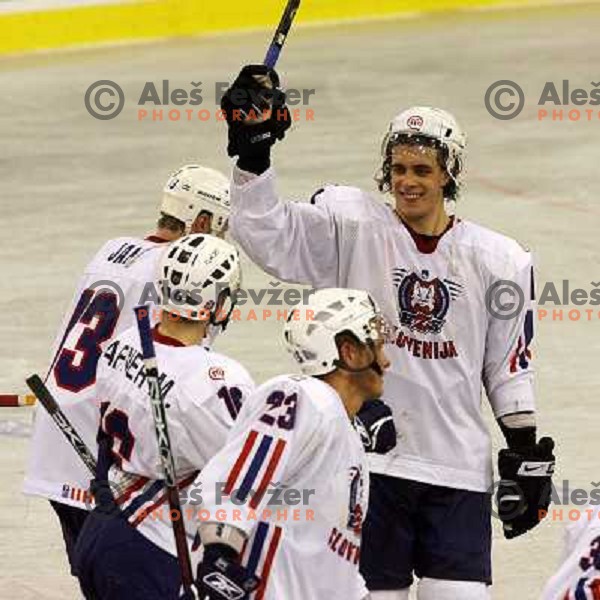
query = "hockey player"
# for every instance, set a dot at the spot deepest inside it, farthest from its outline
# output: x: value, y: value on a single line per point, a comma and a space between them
x: 441, y: 281
x: 578, y: 577
x: 133, y: 555
x: 119, y: 277
x: 284, y: 500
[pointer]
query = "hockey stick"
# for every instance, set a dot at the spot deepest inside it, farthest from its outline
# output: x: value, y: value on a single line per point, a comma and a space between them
x: 164, y: 447
x: 281, y: 33
x: 12, y: 400
x: 38, y: 387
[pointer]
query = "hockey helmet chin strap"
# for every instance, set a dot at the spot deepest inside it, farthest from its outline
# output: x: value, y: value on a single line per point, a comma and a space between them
x: 224, y: 295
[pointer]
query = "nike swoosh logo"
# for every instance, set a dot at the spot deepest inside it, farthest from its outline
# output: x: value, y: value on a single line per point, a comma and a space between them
x: 529, y: 469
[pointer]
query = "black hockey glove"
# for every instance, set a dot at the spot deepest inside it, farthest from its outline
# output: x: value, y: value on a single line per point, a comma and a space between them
x: 220, y: 577
x: 523, y: 495
x: 256, y: 114
x: 375, y: 424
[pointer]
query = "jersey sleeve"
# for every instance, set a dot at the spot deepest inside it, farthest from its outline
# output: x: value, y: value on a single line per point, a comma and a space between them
x: 208, y: 413
x: 293, y: 241
x: 507, y: 368
x: 276, y: 431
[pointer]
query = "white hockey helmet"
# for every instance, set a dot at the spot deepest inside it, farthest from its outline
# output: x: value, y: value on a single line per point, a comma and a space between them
x: 192, y: 189
x: 197, y: 271
x: 426, y: 123
x: 333, y: 311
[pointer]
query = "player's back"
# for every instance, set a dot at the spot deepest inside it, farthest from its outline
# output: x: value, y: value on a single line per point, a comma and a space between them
x: 294, y: 463
x: 120, y: 276
x: 203, y: 392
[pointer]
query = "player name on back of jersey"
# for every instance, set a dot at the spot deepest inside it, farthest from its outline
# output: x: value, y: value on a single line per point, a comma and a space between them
x: 125, y: 254
x: 125, y: 358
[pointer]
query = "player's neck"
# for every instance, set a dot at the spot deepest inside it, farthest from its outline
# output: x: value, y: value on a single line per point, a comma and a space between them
x: 167, y: 234
x: 189, y: 333
x: 431, y: 224
x: 352, y: 398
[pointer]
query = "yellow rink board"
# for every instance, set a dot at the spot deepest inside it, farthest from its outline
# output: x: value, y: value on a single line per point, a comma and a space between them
x: 138, y: 20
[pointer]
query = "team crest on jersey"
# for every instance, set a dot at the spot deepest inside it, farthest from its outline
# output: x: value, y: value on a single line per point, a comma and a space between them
x: 356, y: 513
x: 424, y: 300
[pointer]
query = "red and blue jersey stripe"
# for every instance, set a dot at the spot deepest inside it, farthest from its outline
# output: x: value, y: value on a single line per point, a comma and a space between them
x: 144, y: 496
x: 259, y: 554
x: 258, y: 460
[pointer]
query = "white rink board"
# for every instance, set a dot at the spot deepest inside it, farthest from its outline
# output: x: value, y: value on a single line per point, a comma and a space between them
x: 69, y: 182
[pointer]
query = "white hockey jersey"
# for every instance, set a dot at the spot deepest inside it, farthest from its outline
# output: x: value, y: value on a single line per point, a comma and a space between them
x: 446, y: 341
x: 119, y: 277
x: 294, y: 477
x: 578, y: 577
x: 203, y: 392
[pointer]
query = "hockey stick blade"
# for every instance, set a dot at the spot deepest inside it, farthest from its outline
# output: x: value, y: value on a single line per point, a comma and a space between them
x: 42, y: 393
x: 281, y: 33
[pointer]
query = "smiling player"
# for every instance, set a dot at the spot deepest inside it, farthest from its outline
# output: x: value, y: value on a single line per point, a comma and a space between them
x: 439, y: 280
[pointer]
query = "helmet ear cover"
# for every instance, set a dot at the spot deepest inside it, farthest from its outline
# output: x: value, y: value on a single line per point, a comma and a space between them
x: 193, y: 190
x: 349, y: 337
x: 383, y: 180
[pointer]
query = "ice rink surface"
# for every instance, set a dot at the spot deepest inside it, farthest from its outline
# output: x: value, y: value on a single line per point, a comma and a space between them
x: 70, y: 182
